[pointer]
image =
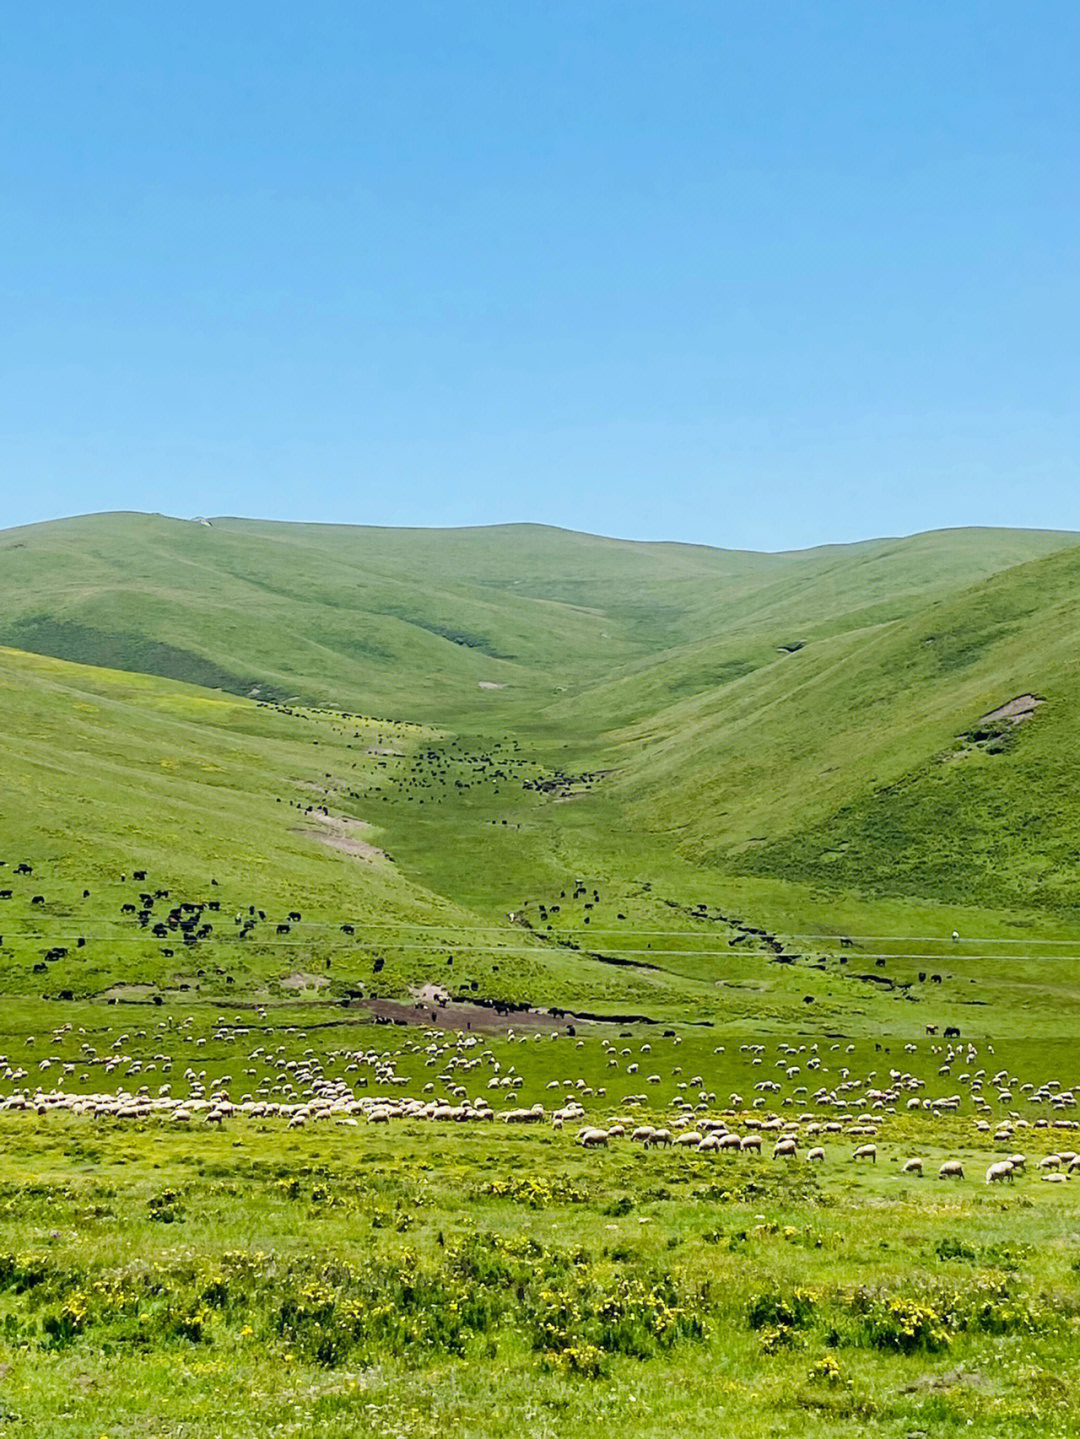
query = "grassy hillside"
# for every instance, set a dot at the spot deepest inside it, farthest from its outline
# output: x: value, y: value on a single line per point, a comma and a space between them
x: 747, y: 847
x: 422, y: 623
x: 862, y: 761
x: 701, y: 763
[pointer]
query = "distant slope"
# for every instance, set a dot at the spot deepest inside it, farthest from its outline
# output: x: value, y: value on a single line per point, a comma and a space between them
x: 638, y: 778
x: 427, y: 623
x: 859, y: 762
x: 126, y: 793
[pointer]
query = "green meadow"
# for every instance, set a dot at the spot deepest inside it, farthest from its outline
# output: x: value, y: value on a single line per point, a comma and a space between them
x: 304, y: 824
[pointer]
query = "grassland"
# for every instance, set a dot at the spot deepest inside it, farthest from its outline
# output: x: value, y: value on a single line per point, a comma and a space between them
x: 362, y: 1279
x: 409, y: 799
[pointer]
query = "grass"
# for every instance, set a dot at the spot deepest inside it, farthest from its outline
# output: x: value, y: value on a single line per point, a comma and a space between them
x: 721, y: 801
x: 372, y: 1281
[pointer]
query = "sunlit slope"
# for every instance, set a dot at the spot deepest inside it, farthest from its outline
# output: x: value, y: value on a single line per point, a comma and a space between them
x: 109, y: 777
x: 860, y: 761
x: 430, y: 623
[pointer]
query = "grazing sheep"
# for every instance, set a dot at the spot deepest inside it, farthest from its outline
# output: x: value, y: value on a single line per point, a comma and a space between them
x: 951, y: 1169
x: 593, y: 1138
x: 912, y: 1166
x: 785, y: 1148
x: 866, y: 1151
x: 750, y: 1143
x: 815, y: 1156
x: 1000, y: 1171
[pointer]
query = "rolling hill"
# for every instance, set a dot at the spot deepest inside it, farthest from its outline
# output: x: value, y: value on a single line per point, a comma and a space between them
x: 536, y: 766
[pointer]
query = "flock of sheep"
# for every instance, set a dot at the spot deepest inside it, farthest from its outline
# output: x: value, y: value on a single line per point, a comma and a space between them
x: 350, y: 1086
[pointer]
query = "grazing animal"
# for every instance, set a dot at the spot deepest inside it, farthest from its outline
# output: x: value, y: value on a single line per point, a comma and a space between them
x: 593, y: 1138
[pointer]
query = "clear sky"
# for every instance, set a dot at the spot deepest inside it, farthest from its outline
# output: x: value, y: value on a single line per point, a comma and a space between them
x: 745, y: 272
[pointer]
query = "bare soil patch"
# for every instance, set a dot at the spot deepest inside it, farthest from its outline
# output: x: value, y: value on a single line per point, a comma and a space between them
x: 340, y: 833
x: 433, y: 1006
x: 1019, y: 709
x: 132, y: 991
x: 299, y: 980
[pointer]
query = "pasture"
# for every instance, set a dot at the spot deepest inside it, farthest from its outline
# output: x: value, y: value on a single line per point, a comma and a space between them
x: 454, y: 993
x: 232, y: 1271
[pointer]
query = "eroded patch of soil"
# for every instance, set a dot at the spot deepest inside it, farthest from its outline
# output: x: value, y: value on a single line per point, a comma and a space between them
x: 341, y: 833
x: 1019, y: 709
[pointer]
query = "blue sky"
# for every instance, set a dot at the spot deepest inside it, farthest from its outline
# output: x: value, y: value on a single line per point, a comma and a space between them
x: 751, y: 274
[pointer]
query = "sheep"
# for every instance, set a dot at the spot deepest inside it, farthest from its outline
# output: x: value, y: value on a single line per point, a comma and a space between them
x: 815, y: 1156
x: 999, y: 1171
x: 912, y: 1166
x: 951, y: 1169
x: 866, y: 1151
x: 784, y: 1148
x: 593, y: 1138
x: 750, y: 1143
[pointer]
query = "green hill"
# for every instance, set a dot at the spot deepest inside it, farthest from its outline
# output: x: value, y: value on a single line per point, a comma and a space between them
x: 674, y: 766
x: 416, y: 621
